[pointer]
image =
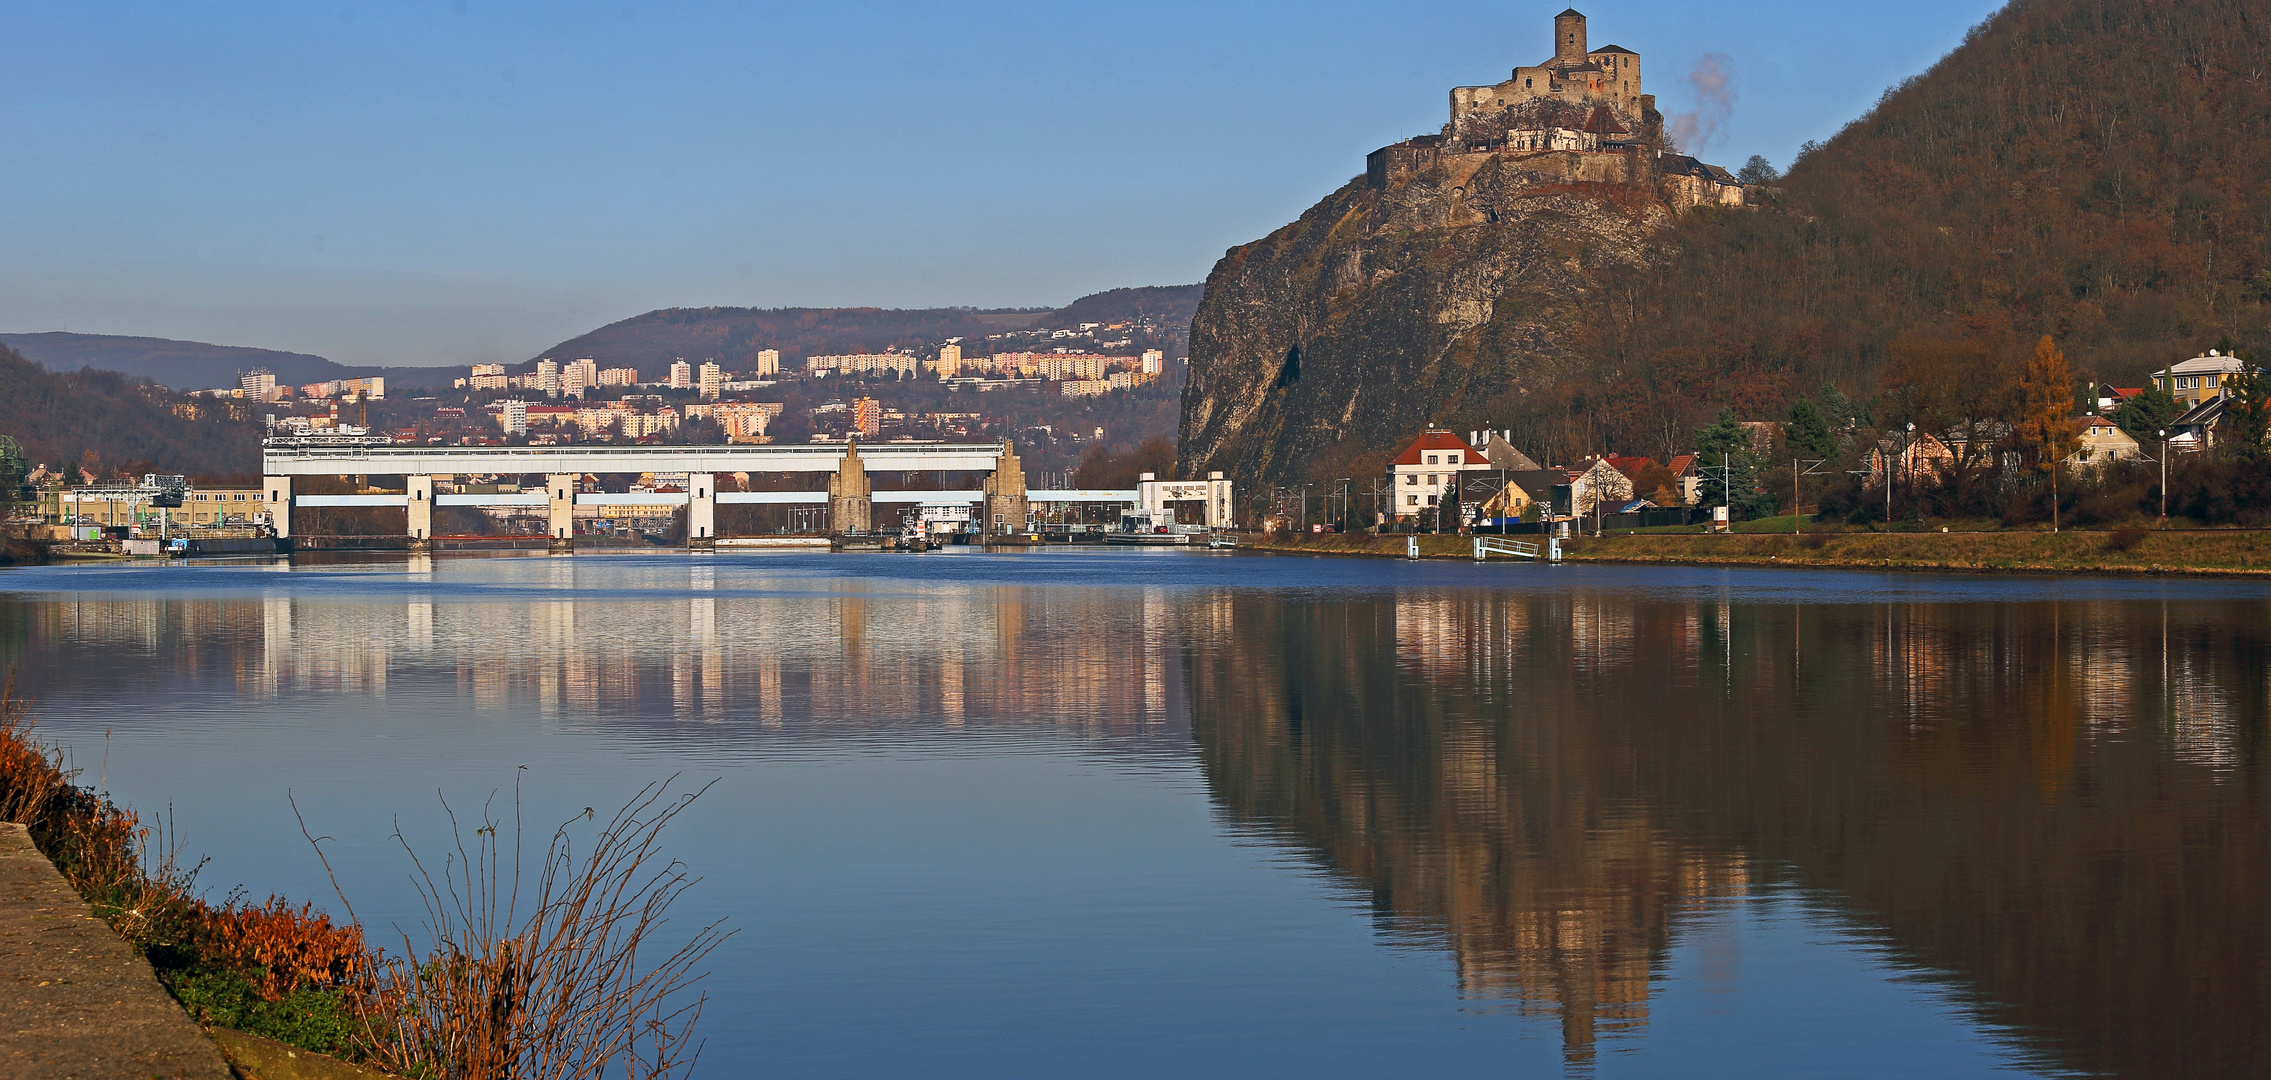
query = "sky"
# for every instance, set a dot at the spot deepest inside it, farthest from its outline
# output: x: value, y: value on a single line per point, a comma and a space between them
x: 431, y: 182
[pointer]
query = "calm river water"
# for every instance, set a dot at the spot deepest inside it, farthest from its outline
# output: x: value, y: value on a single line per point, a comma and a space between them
x: 1141, y: 813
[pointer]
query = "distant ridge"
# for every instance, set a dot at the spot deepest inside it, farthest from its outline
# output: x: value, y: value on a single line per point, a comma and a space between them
x: 733, y: 335
x: 194, y: 365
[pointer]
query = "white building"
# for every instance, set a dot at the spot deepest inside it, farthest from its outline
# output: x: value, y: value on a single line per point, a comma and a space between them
x: 547, y: 376
x: 681, y: 375
x: 258, y: 384
x: 768, y: 362
x: 1429, y: 468
x: 512, y: 416
x: 712, y: 377
x: 1152, y: 363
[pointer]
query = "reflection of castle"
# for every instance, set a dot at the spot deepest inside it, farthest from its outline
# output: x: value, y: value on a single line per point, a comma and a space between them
x: 2055, y: 807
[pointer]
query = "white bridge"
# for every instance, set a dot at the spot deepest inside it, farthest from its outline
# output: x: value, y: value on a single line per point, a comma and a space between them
x: 1001, y: 502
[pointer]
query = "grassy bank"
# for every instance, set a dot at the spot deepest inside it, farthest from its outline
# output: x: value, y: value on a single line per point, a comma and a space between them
x: 525, y: 976
x: 2198, y: 551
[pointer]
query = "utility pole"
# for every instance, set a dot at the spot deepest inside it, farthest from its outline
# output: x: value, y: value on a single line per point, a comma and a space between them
x: 2164, y: 474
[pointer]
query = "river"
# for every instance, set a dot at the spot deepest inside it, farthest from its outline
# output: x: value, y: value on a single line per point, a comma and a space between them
x: 1133, y: 813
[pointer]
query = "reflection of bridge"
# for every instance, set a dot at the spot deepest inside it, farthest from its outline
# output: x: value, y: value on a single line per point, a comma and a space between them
x: 1001, y: 501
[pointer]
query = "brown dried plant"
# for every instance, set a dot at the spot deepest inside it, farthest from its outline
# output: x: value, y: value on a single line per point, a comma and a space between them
x: 289, y: 948
x: 540, y: 976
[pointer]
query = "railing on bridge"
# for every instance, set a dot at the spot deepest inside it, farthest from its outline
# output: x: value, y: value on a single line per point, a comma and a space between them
x: 1521, y: 549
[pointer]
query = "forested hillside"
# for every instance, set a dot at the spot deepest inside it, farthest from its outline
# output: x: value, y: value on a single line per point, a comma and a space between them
x: 112, y: 424
x: 2086, y: 169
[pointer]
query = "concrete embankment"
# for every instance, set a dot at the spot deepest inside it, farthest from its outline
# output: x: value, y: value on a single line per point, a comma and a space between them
x: 2202, y: 552
x: 77, y: 1000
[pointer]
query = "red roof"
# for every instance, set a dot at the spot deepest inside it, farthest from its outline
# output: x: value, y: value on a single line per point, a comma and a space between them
x: 1433, y: 441
x: 1681, y: 464
x: 1628, y: 465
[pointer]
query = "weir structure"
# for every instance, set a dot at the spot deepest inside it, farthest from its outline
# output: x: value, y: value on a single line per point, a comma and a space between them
x: 1000, y: 503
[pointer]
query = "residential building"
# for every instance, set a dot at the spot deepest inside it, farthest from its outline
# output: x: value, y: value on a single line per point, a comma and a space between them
x: 2099, y: 443
x: 712, y: 375
x: 681, y: 375
x: 949, y: 362
x: 488, y: 377
x: 1597, y: 484
x: 619, y: 376
x: 547, y: 376
x: 1085, y: 387
x: 867, y: 417
x: 2199, y: 380
x: 768, y: 363
x: 512, y: 416
x: 1430, y: 468
x: 578, y: 376
x: 258, y: 384
x: 861, y: 364
x: 1153, y: 362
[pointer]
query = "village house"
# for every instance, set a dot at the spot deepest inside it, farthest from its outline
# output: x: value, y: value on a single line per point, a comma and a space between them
x: 2100, y: 442
x: 2198, y: 385
x: 1428, y: 469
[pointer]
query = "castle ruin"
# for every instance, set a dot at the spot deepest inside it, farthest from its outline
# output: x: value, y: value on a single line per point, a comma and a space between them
x: 1579, y: 117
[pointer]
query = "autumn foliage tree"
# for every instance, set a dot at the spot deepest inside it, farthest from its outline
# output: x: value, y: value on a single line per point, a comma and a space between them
x: 2044, y: 417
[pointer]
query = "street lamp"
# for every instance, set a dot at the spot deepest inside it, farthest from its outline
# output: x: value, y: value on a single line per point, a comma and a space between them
x: 2164, y: 474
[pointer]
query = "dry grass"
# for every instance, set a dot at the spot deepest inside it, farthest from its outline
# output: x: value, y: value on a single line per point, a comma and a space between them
x: 2129, y: 549
x: 539, y: 976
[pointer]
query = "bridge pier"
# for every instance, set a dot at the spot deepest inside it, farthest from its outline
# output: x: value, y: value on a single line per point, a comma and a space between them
x: 701, y: 511
x: 851, y: 498
x: 419, y: 490
x: 1005, y: 508
x: 279, y: 496
x: 561, y: 522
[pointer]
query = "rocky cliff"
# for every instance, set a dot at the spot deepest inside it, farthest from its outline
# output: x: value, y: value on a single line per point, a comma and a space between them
x: 1383, y: 309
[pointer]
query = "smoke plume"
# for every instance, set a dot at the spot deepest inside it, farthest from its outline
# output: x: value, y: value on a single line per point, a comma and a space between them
x: 1712, y: 87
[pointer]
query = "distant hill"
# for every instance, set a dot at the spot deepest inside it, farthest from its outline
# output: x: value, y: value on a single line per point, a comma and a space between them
x: 733, y: 336
x: 61, y: 417
x: 195, y: 365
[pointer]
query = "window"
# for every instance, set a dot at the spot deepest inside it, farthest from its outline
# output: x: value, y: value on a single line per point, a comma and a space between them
x: 1411, y: 478
x: 1431, y: 459
x: 1411, y: 500
x: 1431, y: 500
x: 1431, y: 478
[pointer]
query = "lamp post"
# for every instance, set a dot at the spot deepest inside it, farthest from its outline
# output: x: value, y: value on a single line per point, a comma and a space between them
x: 2164, y: 474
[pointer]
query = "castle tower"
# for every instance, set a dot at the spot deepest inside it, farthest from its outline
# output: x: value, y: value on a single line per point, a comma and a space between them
x: 1568, y: 38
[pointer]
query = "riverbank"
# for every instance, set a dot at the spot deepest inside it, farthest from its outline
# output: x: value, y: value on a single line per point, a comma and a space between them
x: 2200, y: 552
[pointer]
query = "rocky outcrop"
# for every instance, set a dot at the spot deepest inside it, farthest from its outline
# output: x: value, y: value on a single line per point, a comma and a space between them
x: 1383, y: 309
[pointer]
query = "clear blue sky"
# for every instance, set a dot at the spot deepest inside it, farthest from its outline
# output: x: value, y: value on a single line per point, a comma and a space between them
x: 438, y: 182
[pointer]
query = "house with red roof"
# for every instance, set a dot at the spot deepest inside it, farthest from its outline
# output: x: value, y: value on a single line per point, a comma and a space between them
x: 1429, y: 468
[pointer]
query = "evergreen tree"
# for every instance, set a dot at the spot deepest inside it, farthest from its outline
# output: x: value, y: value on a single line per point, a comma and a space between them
x: 1729, y: 469
x: 2144, y: 415
x: 2245, y: 430
x: 1809, y: 433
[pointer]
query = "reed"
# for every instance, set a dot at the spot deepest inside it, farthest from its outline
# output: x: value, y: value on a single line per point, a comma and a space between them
x: 538, y: 975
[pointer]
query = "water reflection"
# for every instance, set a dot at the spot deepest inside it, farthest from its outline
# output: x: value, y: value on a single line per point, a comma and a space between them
x: 2057, y: 808
x: 658, y: 651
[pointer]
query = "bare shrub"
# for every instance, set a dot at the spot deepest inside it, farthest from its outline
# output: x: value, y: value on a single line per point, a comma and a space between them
x: 540, y: 978
x: 2127, y: 537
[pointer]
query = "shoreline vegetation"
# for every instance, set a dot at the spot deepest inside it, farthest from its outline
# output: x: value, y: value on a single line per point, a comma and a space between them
x: 2192, y: 552
x: 527, y: 973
